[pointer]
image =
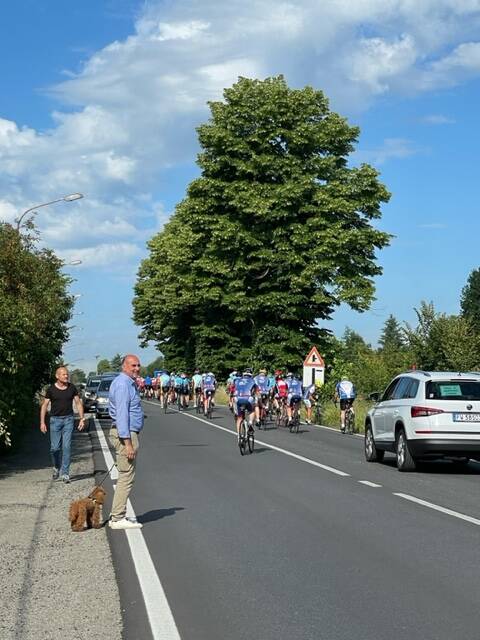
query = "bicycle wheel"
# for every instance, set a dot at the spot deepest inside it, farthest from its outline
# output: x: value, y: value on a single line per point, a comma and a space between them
x: 242, y: 442
x: 165, y: 403
x: 350, y: 426
x: 209, y: 409
x: 251, y: 441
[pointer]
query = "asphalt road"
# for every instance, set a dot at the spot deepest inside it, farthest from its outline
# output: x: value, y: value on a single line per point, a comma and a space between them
x: 270, y: 546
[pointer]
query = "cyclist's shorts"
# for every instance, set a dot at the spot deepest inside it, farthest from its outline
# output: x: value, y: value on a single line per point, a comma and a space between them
x: 293, y: 400
x: 242, y: 405
x: 178, y: 389
x: 209, y: 393
x: 185, y: 390
x: 307, y: 403
x: 198, y: 389
x: 148, y: 387
x: 346, y: 403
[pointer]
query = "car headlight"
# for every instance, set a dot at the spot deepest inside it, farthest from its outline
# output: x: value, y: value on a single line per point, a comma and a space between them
x: 102, y: 401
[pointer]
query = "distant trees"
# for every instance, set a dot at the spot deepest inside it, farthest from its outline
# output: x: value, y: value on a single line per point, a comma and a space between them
x: 35, y: 307
x: 470, y: 299
x: 271, y: 238
x: 103, y: 366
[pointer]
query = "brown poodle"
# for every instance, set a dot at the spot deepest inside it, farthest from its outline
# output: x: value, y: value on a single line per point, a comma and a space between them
x: 87, y: 511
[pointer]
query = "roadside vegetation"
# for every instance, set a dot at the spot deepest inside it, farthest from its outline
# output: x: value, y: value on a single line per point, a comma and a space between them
x: 35, y: 307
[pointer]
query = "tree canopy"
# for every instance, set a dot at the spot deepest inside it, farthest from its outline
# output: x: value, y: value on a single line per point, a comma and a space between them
x: 35, y: 307
x: 470, y: 299
x: 270, y: 239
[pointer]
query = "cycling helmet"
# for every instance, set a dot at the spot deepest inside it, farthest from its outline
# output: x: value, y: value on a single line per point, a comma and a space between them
x: 247, y: 372
x: 263, y: 372
x: 318, y: 384
x: 183, y: 375
x: 278, y: 372
x: 290, y: 374
x: 197, y: 370
x: 209, y: 373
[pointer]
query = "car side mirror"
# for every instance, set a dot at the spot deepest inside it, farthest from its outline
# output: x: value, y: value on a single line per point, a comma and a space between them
x: 374, y: 397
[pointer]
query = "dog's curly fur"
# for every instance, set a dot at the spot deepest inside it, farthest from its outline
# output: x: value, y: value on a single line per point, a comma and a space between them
x: 87, y: 511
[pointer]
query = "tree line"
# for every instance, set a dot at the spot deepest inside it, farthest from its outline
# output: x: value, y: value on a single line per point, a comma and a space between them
x: 35, y: 307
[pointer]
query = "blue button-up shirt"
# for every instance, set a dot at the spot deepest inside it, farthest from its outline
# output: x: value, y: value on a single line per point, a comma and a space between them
x: 124, y: 405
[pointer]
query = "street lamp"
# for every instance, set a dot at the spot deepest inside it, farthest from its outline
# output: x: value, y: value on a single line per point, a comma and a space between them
x: 69, y: 198
x: 73, y: 263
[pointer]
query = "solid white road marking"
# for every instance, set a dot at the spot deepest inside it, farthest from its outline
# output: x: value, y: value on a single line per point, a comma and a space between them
x: 159, y: 613
x: 436, y: 507
x: 270, y: 446
x: 369, y: 484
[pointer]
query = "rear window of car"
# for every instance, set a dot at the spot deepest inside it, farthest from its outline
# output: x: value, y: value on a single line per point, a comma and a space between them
x: 104, y: 385
x: 452, y: 390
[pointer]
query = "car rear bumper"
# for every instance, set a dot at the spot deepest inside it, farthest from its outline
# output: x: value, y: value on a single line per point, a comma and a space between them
x: 102, y: 412
x: 439, y: 447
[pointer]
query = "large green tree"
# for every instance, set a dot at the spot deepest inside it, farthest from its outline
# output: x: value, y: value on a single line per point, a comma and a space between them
x: 392, y: 337
x: 270, y: 239
x: 35, y: 307
x: 470, y: 300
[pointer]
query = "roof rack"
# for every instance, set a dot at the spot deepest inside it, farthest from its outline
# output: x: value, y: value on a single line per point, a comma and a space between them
x: 425, y: 373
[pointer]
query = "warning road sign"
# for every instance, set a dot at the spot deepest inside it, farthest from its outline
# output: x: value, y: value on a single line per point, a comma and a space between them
x: 314, y: 359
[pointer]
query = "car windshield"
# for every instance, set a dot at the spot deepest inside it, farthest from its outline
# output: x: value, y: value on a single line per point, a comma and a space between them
x: 104, y: 385
x: 452, y: 390
x: 93, y: 384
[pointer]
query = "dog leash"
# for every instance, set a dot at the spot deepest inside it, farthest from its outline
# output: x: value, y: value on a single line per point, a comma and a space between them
x: 104, y: 477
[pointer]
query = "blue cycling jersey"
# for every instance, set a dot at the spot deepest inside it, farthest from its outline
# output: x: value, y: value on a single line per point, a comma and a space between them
x: 209, y: 383
x: 165, y: 379
x: 262, y: 383
x: 309, y: 391
x: 148, y: 381
x: 245, y: 387
x: 294, y: 386
x: 346, y: 390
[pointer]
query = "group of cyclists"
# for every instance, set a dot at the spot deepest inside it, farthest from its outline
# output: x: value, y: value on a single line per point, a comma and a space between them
x: 250, y: 396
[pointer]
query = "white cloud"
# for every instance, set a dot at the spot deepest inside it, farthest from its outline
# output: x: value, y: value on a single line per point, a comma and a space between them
x: 392, y: 148
x: 133, y: 106
x: 437, y: 119
x: 116, y: 255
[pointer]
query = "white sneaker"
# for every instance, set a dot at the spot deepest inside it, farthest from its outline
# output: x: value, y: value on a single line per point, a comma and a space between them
x: 125, y: 523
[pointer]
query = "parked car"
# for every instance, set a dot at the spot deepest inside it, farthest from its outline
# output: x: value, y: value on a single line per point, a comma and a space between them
x: 88, y: 395
x: 425, y: 415
x: 101, y: 398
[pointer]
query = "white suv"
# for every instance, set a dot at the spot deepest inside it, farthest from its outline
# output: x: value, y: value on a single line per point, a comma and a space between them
x: 425, y: 414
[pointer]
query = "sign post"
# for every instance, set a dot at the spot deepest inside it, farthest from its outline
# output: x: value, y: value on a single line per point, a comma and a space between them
x: 313, y: 368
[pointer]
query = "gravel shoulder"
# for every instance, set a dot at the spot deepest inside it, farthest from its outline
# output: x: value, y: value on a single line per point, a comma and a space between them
x: 55, y: 584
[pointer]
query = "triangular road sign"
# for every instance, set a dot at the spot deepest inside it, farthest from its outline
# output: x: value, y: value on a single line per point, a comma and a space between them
x: 314, y: 359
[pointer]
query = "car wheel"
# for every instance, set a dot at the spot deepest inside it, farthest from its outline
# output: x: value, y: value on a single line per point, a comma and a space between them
x: 372, y: 454
x: 405, y: 461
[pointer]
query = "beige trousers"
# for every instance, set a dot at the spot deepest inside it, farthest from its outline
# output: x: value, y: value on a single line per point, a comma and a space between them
x: 126, y: 474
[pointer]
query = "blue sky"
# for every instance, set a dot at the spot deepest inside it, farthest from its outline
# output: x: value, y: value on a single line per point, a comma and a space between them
x: 103, y: 97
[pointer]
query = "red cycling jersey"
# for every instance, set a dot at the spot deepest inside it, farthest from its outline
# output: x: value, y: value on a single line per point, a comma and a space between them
x: 282, y: 389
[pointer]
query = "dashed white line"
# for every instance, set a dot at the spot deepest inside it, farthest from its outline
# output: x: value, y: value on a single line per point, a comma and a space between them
x: 158, y: 610
x: 369, y: 484
x: 437, y: 507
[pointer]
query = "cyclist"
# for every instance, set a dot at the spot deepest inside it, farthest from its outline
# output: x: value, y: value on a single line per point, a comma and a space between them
x: 197, y: 386
x: 345, y: 392
x: 164, y: 387
x: 178, y: 384
x: 209, y: 385
x: 261, y: 399
x: 231, y: 387
x: 148, y: 386
x: 309, y: 397
x: 294, y: 394
x: 184, y: 391
x: 245, y: 389
x: 154, y: 387
x: 280, y: 390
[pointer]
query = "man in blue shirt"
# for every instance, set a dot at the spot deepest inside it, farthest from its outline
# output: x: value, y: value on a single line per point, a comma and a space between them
x: 126, y: 412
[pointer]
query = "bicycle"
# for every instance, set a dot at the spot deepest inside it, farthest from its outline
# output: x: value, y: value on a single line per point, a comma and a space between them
x: 282, y: 416
x: 198, y: 402
x: 247, y: 436
x: 317, y: 413
x: 208, y: 412
x: 295, y: 423
x: 349, y: 419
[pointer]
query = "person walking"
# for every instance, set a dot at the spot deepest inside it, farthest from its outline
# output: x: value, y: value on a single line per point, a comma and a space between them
x: 126, y: 412
x: 60, y: 396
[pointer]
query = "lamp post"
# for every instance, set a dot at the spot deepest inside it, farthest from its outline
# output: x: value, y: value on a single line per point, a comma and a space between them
x: 69, y: 198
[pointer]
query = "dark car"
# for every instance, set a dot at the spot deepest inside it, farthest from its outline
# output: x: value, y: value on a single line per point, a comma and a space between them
x: 89, y: 392
x: 101, y: 398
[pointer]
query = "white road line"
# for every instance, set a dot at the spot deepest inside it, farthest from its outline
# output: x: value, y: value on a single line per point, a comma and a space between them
x: 271, y: 446
x: 159, y: 613
x: 369, y: 484
x: 436, y: 507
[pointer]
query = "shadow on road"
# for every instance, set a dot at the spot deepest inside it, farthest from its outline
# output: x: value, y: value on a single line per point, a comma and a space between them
x: 158, y: 514
x: 440, y: 467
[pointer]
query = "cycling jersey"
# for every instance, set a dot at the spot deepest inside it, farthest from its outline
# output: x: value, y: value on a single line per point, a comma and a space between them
x: 148, y: 381
x: 197, y: 381
x: 271, y: 383
x: 294, y: 387
x: 185, y: 386
x: 345, y: 390
x: 309, y: 391
x: 245, y: 387
x: 262, y: 383
x: 178, y: 382
x: 165, y: 380
x: 281, y: 389
x: 209, y: 383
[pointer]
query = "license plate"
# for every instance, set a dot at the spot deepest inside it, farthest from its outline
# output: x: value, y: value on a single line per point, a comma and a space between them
x: 466, y: 417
